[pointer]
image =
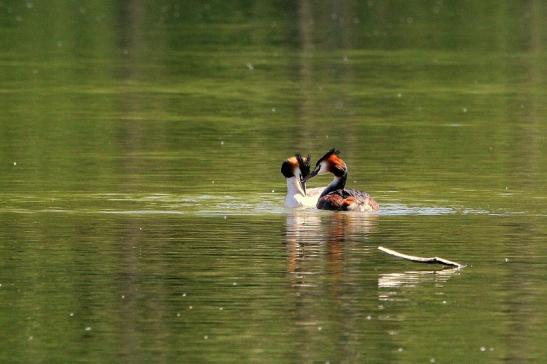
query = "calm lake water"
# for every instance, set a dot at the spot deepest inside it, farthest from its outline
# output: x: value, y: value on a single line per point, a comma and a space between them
x: 141, y: 203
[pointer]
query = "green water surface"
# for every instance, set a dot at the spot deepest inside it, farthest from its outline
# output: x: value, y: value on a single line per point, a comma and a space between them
x: 141, y: 203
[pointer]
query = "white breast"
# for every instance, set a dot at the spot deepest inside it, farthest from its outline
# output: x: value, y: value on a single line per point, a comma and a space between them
x: 297, y: 200
x: 295, y: 195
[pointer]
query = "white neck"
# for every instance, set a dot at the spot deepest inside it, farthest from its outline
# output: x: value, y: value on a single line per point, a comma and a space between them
x: 294, y: 187
x: 295, y: 193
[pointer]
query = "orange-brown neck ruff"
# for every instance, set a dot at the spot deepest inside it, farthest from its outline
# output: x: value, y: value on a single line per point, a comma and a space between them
x: 336, y: 165
x: 293, y: 161
x: 288, y: 167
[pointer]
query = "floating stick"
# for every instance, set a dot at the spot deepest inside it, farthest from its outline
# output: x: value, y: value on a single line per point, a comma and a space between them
x: 433, y: 260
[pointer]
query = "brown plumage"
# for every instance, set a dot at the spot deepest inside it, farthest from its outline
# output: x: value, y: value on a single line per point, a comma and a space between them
x: 347, y: 200
x: 336, y: 196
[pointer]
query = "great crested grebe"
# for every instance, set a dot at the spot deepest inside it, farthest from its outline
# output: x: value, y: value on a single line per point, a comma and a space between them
x: 335, y: 196
x: 296, y: 170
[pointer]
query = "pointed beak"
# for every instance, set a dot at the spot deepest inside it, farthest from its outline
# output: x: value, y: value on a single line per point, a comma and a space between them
x: 313, y: 173
x: 303, y: 183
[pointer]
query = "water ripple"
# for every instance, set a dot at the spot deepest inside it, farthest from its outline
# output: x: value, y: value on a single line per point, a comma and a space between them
x: 201, y: 205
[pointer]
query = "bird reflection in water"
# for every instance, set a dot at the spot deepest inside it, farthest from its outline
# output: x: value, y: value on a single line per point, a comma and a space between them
x: 316, y: 240
x: 319, y: 246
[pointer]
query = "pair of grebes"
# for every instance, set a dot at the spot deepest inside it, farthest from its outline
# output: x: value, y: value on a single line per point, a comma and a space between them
x: 335, y: 196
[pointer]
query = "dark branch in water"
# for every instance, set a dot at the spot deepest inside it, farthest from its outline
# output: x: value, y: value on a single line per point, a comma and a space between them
x: 433, y: 260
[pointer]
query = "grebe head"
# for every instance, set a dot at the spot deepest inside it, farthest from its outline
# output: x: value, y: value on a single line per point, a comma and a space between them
x: 298, y: 167
x: 330, y: 163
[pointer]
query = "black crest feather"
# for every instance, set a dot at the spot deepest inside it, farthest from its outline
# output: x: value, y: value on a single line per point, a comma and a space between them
x: 327, y: 155
x: 304, y: 164
x: 286, y: 169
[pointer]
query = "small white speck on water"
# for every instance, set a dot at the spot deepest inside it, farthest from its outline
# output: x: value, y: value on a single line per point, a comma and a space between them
x: 190, y: 307
x: 432, y: 360
x: 140, y: 229
x: 327, y: 136
x: 221, y: 308
x: 483, y: 348
x: 123, y: 297
x: 205, y: 337
x: 506, y: 188
x: 222, y: 142
x: 491, y: 349
x: 71, y: 314
x: 225, y: 217
x: 178, y: 314
x: 250, y: 66
x: 213, y: 182
x: 400, y: 350
x: 444, y: 302
x: 273, y: 191
x: 327, y: 362
x: 506, y: 260
x: 319, y: 328
x: 30, y: 338
x: 273, y: 109
x: 464, y: 109
x: 184, y: 294
x: 399, y: 95
x: 14, y: 163
x: 88, y: 328
x: 234, y: 284
x: 369, y: 317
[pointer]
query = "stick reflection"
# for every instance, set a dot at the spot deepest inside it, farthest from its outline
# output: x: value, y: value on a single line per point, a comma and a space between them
x: 389, y: 281
x: 320, y: 248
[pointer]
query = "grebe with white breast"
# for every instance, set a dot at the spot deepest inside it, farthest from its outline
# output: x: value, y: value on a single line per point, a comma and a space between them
x: 335, y: 196
x: 296, y: 170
